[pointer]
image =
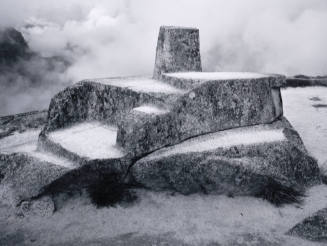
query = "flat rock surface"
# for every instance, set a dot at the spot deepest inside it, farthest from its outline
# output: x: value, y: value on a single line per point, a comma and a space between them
x: 140, y: 84
x: 92, y: 140
x: 216, y: 75
x: 313, y: 228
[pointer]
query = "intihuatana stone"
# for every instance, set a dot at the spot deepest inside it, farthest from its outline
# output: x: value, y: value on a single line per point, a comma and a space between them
x: 178, y: 50
x: 239, y: 161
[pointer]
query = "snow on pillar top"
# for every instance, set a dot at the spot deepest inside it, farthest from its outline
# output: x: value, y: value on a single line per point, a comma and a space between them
x: 178, y: 50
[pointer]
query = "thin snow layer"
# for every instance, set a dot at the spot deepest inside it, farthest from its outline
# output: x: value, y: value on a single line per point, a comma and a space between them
x: 150, y: 109
x: 89, y: 139
x: 196, y: 219
x: 309, y: 121
x: 217, y: 75
x: 141, y: 84
x: 26, y: 142
x: 224, y: 139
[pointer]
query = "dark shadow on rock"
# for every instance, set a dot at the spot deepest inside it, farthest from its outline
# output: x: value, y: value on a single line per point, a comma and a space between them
x: 108, y: 190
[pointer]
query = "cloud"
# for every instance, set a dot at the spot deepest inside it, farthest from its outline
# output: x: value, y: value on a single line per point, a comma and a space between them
x: 118, y: 37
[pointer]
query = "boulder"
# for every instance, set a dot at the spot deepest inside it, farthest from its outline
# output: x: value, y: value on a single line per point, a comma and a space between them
x: 24, y: 177
x: 43, y: 207
x: 240, y: 161
x: 313, y: 228
x: 178, y: 49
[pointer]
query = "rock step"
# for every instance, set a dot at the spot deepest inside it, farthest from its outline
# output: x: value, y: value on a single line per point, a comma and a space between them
x: 28, y: 171
x: 26, y: 142
x: 107, y: 100
x: 83, y: 142
x: 210, y: 106
x: 243, y: 161
x: 190, y: 80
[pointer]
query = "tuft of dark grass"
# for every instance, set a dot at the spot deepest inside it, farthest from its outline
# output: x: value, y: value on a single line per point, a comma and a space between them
x: 279, y: 194
x: 108, y: 190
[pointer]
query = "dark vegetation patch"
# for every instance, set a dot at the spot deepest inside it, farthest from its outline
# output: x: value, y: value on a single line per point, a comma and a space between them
x: 315, y: 99
x: 319, y: 105
x: 109, y: 190
x: 279, y: 194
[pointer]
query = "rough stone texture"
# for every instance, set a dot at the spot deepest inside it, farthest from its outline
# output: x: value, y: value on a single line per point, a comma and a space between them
x: 21, y: 122
x: 238, y: 170
x: 93, y: 101
x: 313, y: 228
x: 23, y: 177
x: 273, y: 80
x: 43, y: 207
x: 178, y: 49
x: 209, y: 107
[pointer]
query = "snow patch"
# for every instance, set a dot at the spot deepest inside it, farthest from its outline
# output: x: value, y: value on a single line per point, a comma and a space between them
x: 223, y: 139
x: 216, y: 75
x: 150, y: 109
x: 141, y: 84
x: 310, y: 122
x: 89, y: 139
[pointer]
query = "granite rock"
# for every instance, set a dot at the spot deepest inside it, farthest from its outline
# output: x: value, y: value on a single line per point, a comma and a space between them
x: 24, y: 177
x: 239, y: 169
x: 178, y: 49
x: 88, y: 100
x: 313, y: 228
x: 211, y: 106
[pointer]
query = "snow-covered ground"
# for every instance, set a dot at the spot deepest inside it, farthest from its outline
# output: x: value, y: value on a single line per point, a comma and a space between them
x: 142, y: 84
x: 304, y: 108
x: 89, y: 139
x: 216, y: 75
x: 195, y: 219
